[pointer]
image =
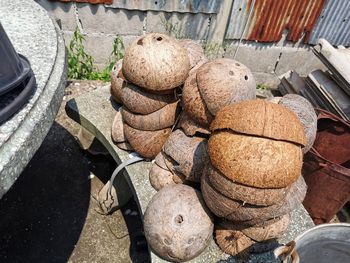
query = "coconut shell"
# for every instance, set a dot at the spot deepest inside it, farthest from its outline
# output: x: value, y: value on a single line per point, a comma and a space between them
x: 117, y: 128
x: 232, y: 242
x: 193, y: 104
x: 190, y: 154
x: 306, y: 114
x: 237, y: 211
x: 160, y: 119
x: 124, y: 146
x: 194, y: 51
x: 160, y: 177
x: 177, y: 224
x: 190, y: 127
x: 156, y: 62
x: 261, y: 118
x: 160, y: 161
x: 117, y: 81
x: 224, y: 81
x: 246, y: 194
x: 171, y: 164
x: 140, y: 101
x: 255, y: 161
x: 147, y: 143
x: 267, y: 230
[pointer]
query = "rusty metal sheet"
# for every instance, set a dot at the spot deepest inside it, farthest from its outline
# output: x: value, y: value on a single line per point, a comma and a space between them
x: 270, y: 18
x: 333, y: 24
x: 182, y: 6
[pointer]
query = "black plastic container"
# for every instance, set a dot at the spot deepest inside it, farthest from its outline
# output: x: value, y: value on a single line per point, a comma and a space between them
x: 17, y: 81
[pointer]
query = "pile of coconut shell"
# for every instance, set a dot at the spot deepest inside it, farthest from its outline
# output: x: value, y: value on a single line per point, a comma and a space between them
x: 253, y: 179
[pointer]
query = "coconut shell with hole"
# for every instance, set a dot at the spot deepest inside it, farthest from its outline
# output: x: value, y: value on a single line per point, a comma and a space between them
x: 160, y: 119
x: 193, y: 104
x: 194, y: 50
x: 117, y: 128
x: 160, y: 177
x: 177, y: 224
x: 255, y: 161
x: 190, y: 127
x: 237, y: 211
x: 306, y: 114
x: 117, y: 81
x: 156, y: 62
x: 140, y: 101
x: 270, y: 229
x: 224, y: 81
x: 246, y: 194
x: 189, y: 153
x: 146, y: 143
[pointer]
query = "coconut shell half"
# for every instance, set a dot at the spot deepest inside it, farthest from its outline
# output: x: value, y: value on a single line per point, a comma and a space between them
x: 190, y: 127
x: 170, y: 163
x: 160, y: 177
x: 190, y: 154
x: 193, y: 103
x: 237, y: 211
x: 140, y: 101
x: 255, y: 161
x: 246, y: 194
x: 177, y: 224
x: 117, y: 81
x: 117, y: 128
x: 147, y: 143
x: 224, y: 81
x: 160, y: 119
x: 194, y: 50
x: 156, y: 62
x: 261, y: 118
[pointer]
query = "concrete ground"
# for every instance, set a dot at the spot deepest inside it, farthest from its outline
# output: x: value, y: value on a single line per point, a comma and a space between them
x: 50, y: 214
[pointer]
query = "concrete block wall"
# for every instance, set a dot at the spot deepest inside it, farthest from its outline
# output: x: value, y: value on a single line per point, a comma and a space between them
x: 100, y: 24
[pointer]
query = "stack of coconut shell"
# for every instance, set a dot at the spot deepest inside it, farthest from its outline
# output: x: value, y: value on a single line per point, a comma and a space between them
x: 253, y: 179
x: 221, y: 82
x: 145, y: 82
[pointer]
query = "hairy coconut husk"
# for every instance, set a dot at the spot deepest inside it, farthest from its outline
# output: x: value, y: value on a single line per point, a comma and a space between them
x: 117, y: 128
x: 124, y: 146
x: 177, y: 224
x: 224, y: 81
x: 194, y: 51
x: 199, y: 64
x: 160, y: 119
x: 233, y: 210
x: 117, y: 81
x: 147, y: 143
x: 160, y: 177
x: 255, y: 161
x: 193, y: 104
x: 267, y: 230
x: 140, y: 101
x: 171, y: 164
x: 261, y: 118
x: 306, y: 114
x: 246, y: 194
x: 156, y: 62
x: 190, y: 127
x: 190, y: 154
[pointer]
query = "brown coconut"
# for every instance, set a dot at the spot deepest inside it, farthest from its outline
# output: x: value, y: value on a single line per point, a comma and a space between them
x: 238, y: 211
x: 156, y: 62
x: 160, y: 119
x: 267, y: 230
x: 140, y: 101
x: 224, y: 81
x: 193, y: 104
x: 117, y: 81
x: 177, y: 224
x: 147, y: 143
x: 190, y: 127
x: 160, y: 177
x: 247, y: 194
x: 117, y: 128
x: 194, y: 51
x: 189, y: 153
x: 306, y: 114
